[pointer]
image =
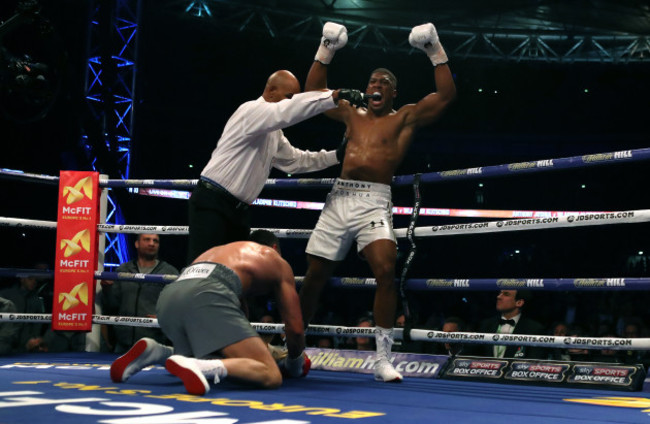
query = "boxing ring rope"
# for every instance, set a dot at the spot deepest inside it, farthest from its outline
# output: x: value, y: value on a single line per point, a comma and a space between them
x: 613, y: 343
x: 516, y: 168
x: 589, y: 160
x: 570, y: 220
x: 571, y: 162
x: 412, y: 284
x: 414, y: 334
x: 487, y: 171
x: 523, y: 224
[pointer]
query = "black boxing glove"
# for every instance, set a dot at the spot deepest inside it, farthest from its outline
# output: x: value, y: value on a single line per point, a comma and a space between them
x: 355, y: 97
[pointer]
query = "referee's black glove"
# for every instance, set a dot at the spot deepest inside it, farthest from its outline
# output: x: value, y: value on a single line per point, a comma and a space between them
x: 355, y: 97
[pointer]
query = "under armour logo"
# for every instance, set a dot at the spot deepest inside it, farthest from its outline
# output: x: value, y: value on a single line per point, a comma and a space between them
x: 374, y: 224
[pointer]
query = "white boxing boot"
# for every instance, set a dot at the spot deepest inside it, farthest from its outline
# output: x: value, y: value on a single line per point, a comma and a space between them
x: 384, y: 370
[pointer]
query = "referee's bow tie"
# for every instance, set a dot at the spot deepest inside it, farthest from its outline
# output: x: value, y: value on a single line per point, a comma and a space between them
x: 506, y: 321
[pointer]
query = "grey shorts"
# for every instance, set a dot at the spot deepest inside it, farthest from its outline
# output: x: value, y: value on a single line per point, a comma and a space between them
x: 201, y: 313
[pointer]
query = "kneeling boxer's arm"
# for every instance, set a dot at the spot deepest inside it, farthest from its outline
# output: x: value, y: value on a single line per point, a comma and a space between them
x: 292, y: 318
x: 289, y: 308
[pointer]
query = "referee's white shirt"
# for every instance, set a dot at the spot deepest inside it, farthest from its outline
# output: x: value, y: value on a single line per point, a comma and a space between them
x: 252, y: 142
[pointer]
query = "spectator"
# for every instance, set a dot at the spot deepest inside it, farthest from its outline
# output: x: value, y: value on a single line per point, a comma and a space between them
x: 63, y: 341
x: 634, y: 329
x: 558, y: 329
x: 510, y: 320
x: 577, y: 354
x: 8, y: 330
x: 607, y: 355
x: 270, y: 338
x: 364, y: 343
x: 325, y: 343
x: 25, y: 297
x: 451, y: 324
x: 403, y: 345
x: 135, y: 298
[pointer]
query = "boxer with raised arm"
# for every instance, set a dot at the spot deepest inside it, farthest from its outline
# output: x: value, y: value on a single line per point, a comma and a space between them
x: 201, y: 313
x: 359, y: 206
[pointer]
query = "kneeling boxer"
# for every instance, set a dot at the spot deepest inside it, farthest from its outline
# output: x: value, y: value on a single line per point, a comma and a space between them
x: 201, y: 313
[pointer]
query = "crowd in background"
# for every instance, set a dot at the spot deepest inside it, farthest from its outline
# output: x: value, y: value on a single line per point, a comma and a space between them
x: 561, y: 313
x: 585, y: 314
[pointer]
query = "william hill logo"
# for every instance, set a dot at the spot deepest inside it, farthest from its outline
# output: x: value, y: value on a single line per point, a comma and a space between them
x: 78, y: 294
x: 76, y: 193
x: 80, y: 241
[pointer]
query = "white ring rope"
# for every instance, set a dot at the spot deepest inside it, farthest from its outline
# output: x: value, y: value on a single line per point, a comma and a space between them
x: 416, y: 334
x: 607, y: 218
x: 576, y: 220
x: 27, y: 223
x: 546, y: 341
x: 97, y: 319
x: 474, y: 338
x: 465, y: 173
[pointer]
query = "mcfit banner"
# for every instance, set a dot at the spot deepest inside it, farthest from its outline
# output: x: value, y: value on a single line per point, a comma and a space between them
x: 76, y: 251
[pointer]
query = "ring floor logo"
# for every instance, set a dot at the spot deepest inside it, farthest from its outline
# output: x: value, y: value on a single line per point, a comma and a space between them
x: 641, y: 403
x: 100, y: 401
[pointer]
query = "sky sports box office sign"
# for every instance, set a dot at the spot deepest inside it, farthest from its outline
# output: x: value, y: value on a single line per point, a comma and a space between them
x: 587, y: 375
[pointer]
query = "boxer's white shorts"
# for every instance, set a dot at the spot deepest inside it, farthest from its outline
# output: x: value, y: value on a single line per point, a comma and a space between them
x: 354, y: 211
